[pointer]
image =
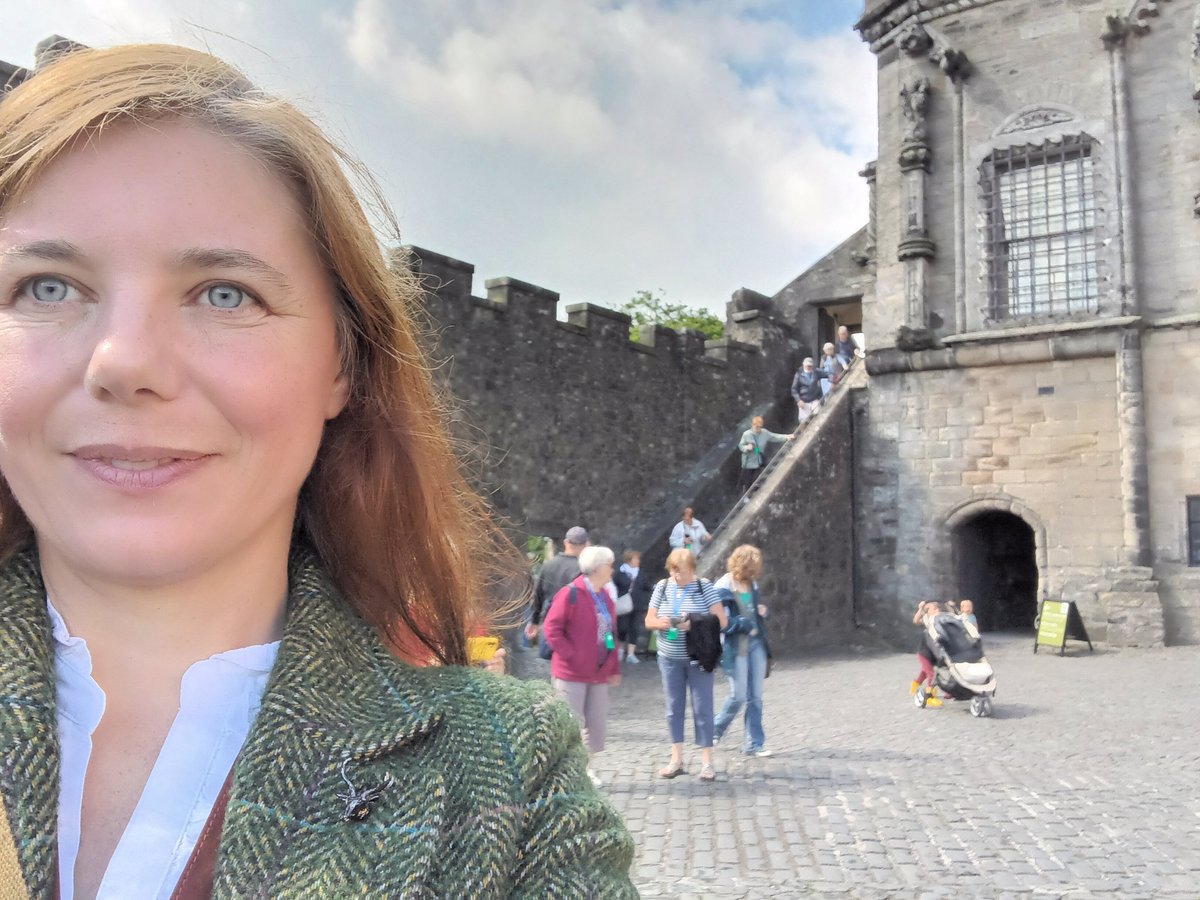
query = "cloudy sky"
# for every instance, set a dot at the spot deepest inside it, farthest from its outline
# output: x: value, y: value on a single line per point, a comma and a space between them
x: 594, y: 147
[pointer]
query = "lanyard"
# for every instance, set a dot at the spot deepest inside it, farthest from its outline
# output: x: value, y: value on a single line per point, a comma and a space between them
x: 680, y: 596
x: 601, y: 608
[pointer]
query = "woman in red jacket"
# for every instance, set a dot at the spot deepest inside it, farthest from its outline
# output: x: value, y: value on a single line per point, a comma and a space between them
x: 581, y: 628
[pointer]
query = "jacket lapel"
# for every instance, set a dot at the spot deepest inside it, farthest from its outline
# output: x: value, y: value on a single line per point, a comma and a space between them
x: 339, y: 720
x: 28, y: 731
x: 338, y: 704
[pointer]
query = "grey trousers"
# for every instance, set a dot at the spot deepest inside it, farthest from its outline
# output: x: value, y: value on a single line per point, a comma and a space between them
x: 589, y: 702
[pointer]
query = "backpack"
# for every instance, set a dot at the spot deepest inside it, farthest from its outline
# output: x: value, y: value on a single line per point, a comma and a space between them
x: 545, y: 651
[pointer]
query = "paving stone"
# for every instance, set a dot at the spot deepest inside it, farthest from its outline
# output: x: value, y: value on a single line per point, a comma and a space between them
x: 1070, y: 790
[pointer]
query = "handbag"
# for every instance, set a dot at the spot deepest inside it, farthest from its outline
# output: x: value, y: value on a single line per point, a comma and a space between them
x: 12, y: 879
x: 624, y: 604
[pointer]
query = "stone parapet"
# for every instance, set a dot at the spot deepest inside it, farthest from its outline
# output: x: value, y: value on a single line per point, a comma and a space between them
x: 548, y: 402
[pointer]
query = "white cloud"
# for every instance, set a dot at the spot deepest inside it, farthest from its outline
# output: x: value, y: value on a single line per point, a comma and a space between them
x: 594, y: 146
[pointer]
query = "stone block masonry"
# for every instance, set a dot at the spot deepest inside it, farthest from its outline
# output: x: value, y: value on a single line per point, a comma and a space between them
x: 572, y: 422
x: 802, y: 518
x: 1024, y: 439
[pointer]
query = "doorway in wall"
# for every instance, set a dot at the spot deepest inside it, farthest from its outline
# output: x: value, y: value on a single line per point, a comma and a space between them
x: 996, y: 564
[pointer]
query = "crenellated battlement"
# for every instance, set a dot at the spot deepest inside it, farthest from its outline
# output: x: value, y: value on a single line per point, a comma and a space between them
x: 580, y: 421
x: 534, y: 310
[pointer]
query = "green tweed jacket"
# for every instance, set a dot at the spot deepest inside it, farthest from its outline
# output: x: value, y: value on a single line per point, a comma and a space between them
x: 483, y: 791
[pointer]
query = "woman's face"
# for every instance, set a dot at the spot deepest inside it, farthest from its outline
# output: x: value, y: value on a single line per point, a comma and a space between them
x: 683, y: 574
x: 168, y: 355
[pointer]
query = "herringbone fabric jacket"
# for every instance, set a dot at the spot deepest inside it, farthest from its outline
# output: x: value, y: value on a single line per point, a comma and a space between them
x: 487, y: 794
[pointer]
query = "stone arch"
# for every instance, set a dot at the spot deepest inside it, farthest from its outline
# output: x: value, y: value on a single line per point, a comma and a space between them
x: 1007, y: 539
x: 1037, y: 115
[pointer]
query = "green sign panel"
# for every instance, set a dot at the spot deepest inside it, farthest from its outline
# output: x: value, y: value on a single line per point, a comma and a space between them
x: 1059, y: 621
x: 1052, y: 626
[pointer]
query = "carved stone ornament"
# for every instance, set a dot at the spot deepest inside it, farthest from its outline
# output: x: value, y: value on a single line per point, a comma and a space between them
x: 1196, y: 56
x: 914, y: 39
x: 1141, y: 13
x: 1037, y: 118
x: 914, y: 155
x: 914, y: 102
x: 953, y: 62
x: 880, y: 23
x: 1116, y: 30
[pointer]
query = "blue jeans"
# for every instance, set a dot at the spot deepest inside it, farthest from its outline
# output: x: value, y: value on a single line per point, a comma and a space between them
x: 746, y: 686
x: 678, y: 676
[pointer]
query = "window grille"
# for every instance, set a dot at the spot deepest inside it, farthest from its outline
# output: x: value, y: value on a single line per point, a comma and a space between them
x: 1193, y: 530
x: 1040, y: 233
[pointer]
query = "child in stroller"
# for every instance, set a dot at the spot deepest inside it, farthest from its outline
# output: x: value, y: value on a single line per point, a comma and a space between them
x: 961, y: 669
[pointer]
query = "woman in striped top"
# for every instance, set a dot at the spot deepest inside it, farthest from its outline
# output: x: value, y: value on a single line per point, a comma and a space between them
x: 675, y: 599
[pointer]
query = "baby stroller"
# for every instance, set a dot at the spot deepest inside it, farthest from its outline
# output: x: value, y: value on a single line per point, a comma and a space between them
x: 961, y: 669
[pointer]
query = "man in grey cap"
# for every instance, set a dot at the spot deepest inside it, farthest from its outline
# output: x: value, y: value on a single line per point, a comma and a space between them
x: 556, y: 574
x: 806, y: 389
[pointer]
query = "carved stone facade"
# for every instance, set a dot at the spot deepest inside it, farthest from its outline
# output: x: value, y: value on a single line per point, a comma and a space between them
x: 1034, y: 389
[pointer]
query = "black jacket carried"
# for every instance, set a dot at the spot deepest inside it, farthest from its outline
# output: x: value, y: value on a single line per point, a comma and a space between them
x: 704, y: 640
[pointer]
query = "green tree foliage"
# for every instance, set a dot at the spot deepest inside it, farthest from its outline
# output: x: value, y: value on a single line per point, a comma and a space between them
x: 537, y: 549
x: 652, y: 308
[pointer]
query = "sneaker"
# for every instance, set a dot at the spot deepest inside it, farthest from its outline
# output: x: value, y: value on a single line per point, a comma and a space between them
x: 632, y: 659
x: 597, y: 781
x: 761, y: 752
x: 912, y: 688
x: 933, y: 702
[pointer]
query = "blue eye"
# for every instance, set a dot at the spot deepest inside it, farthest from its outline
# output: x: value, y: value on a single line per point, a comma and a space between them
x: 225, y: 296
x: 49, y: 289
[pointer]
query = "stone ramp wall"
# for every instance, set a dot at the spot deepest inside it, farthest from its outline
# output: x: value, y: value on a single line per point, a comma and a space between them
x: 572, y: 422
x: 802, y: 518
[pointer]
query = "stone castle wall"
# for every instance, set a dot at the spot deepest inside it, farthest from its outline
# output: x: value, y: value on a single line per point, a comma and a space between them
x: 574, y: 422
x: 802, y: 518
x: 1173, y: 426
x: 941, y: 444
x: 963, y: 420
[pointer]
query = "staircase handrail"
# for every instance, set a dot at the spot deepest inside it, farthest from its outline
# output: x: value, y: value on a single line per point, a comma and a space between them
x: 779, y: 456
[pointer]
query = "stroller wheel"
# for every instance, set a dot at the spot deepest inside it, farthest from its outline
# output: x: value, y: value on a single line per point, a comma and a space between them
x: 919, y: 698
x: 987, y: 706
x: 979, y: 706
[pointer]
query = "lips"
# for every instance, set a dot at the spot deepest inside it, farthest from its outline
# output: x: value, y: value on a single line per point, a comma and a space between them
x: 137, y: 468
x: 134, y: 456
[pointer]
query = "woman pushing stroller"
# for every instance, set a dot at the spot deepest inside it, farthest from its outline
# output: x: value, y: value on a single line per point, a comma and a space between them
x: 959, y: 666
x: 925, y: 654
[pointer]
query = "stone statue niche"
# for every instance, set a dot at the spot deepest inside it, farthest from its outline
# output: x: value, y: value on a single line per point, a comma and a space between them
x: 914, y: 103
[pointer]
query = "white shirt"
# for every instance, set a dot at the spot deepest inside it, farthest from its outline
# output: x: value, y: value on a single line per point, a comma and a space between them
x: 692, y: 534
x: 218, y: 700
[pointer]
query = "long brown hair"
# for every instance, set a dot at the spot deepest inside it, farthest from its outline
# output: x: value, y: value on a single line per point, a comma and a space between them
x: 386, y: 507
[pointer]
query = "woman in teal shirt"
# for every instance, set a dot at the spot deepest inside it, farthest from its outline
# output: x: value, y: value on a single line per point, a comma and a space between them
x: 747, y: 650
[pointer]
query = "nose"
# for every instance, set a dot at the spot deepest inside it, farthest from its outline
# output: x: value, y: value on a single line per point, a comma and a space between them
x: 134, y: 357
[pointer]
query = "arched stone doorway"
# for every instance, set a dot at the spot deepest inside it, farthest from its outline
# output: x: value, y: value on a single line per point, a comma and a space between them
x: 996, y: 565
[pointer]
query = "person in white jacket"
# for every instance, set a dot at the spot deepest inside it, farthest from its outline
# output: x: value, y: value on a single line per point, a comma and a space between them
x: 689, y: 533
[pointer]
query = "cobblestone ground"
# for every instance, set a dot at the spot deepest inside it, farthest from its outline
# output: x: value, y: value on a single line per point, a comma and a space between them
x: 1085, y: 782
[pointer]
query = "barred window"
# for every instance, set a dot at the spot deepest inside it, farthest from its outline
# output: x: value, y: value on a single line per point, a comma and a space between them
x: 1193, y: 530
x: 1040, y: 234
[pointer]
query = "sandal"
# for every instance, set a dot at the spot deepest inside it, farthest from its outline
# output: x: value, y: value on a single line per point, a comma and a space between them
x: 672, y: 770
x: 708, y: 773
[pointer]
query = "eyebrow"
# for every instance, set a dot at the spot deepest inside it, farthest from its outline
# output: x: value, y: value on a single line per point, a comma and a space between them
x: 54, y: 250
x: 223, y: 258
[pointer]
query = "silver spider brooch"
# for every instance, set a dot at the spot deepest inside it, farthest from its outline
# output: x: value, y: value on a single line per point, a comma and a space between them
x: 358, y: 802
